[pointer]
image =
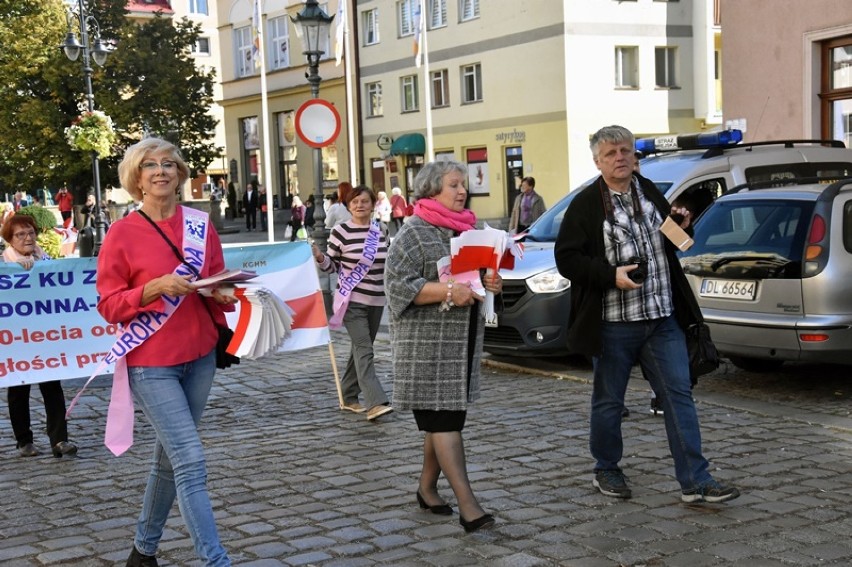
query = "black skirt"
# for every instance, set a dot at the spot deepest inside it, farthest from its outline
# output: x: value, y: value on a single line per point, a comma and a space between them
x: 439, y: 421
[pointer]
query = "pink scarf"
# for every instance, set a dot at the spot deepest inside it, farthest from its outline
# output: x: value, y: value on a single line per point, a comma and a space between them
x: 437, y: 214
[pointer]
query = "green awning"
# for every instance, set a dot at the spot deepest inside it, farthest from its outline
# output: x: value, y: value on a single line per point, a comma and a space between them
x: 409, y: 145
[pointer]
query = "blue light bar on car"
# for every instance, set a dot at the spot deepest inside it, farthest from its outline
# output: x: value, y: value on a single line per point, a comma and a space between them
x: 689, y: 141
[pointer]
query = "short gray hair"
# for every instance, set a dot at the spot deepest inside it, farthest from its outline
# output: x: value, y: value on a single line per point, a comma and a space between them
x: 430, y: 179
x: 612, y: 134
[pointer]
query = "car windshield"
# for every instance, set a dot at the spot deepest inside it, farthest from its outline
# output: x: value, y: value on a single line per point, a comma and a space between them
x: 763, y: 238
x: 546, y: 227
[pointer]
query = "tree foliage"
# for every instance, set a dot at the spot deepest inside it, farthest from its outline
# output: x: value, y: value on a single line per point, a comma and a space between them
x: 149, y: 85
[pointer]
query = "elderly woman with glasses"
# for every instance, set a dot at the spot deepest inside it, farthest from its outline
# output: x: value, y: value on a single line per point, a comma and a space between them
x: 170, y: 374
x: 19, y: 233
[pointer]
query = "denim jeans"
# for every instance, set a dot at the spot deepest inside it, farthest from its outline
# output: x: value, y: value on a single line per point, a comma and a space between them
x: 362, y: 324
x: 173, y: 399
x: 659, y: 347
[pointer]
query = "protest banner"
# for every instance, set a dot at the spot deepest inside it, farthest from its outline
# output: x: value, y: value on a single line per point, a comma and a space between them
x: 50, y: 328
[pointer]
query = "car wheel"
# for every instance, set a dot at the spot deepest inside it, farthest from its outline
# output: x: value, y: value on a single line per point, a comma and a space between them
x: 756, y: 364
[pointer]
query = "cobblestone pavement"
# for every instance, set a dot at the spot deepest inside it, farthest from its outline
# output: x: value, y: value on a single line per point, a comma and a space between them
x: 295, y: 481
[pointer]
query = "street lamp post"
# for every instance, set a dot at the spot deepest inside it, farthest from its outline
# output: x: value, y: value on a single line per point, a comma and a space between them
x: 99, y: 51
x: 313, y: 23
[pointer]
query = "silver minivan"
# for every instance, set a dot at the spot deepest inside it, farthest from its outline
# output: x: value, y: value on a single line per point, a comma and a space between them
x: 772, y: 271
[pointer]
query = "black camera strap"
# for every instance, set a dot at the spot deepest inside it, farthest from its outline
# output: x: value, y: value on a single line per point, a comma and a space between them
x: 607, y: 202
x: 637, y: 215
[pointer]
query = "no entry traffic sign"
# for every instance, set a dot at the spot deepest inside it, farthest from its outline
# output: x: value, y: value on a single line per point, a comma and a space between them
x: 317, y: 123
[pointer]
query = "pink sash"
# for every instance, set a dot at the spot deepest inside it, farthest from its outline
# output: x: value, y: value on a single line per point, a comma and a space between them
x: 347, y: 283
x: 119, y: 428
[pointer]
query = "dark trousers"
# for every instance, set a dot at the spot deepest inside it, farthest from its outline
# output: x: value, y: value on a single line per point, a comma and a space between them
x: 54, y: 409
x: 296, y: 225
x: 251, y: 218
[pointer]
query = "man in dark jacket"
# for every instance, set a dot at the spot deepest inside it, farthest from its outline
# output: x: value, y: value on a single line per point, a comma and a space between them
x: 630, y: 304
x: 250, y: 207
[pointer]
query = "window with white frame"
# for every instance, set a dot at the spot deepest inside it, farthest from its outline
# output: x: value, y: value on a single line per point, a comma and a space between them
x: 408, y: 89
x: 202, y: 46
x: 471, y: 81
x: 665, y: 62
x: 468, y: 10
x: 279, y: 42
x: 405, y: 12
x: 243, y: 52
x: 626, y: 67
x: 374, y: 99
x: 198, y: 7
x: 370, y: 24
x: 437, y: 14
x: 440, y: 89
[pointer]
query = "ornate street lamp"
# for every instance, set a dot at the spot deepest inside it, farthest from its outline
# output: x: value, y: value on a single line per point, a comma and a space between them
x: 77, y: 17
x: 312, y: 25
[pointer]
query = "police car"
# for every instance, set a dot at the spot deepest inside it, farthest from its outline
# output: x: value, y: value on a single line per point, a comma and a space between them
x: 693, y: 169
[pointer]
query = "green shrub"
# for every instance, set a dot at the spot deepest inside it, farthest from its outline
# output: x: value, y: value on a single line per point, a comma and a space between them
x: 50, y: 242
x: 45, y: 220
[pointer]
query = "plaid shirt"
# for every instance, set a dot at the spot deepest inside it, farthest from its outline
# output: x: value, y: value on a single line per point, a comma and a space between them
x: 631, y: 237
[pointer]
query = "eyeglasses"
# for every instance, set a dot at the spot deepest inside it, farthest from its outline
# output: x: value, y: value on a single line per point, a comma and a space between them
x: 24, y: 235
x: 166, y: 166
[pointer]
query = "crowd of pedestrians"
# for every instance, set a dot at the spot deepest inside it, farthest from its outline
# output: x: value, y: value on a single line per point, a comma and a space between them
x: 386, y: 251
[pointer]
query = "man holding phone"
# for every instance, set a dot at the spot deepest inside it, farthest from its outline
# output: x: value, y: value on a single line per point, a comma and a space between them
x: 620, y: 317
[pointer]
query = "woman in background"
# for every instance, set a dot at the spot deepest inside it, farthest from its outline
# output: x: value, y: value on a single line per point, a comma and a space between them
x: 359, y: 242
x: 19, y: 233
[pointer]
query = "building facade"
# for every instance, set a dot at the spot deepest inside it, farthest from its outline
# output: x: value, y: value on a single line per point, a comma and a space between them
x: 793, y: 79
x: 511, y: 88
x: 251, y: 137
x: 515, y: 89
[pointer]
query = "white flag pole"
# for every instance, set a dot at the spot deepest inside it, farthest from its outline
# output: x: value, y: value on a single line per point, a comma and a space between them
x: 427, y: 83
x: 267, y: 153
x: 350, y: 104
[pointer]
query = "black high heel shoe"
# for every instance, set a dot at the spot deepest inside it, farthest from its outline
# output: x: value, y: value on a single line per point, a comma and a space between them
x: 484, y: 521
x: 440, y: 509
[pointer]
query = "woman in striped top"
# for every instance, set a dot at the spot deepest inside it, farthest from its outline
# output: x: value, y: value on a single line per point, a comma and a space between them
x: 357, y: 251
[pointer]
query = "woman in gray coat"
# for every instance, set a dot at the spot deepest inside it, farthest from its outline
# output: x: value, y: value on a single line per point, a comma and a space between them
x: 436, y: 331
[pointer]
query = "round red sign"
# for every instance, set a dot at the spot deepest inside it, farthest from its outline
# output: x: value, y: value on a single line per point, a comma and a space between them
x: 317, y: 123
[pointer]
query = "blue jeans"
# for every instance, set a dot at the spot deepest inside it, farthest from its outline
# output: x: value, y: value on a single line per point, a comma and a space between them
x: 659, y: 347
x: 362, y: 323
x: 173, y: 399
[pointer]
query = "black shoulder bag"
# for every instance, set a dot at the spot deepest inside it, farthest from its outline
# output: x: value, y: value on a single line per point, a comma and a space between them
x: 223, y: 358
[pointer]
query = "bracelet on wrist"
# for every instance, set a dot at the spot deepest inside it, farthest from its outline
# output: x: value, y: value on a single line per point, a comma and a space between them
x: 448, y: 302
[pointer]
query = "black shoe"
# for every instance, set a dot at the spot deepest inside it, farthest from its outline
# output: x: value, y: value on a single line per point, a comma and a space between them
x: 484, y: 521
x: 656, y: 408
x: 64, y: 448
x: 711, y: 491
x: 136, y: 559
x: 612, y: 483
x: 28, y: 450
x: 440, y: 509
x: 625, y: 412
